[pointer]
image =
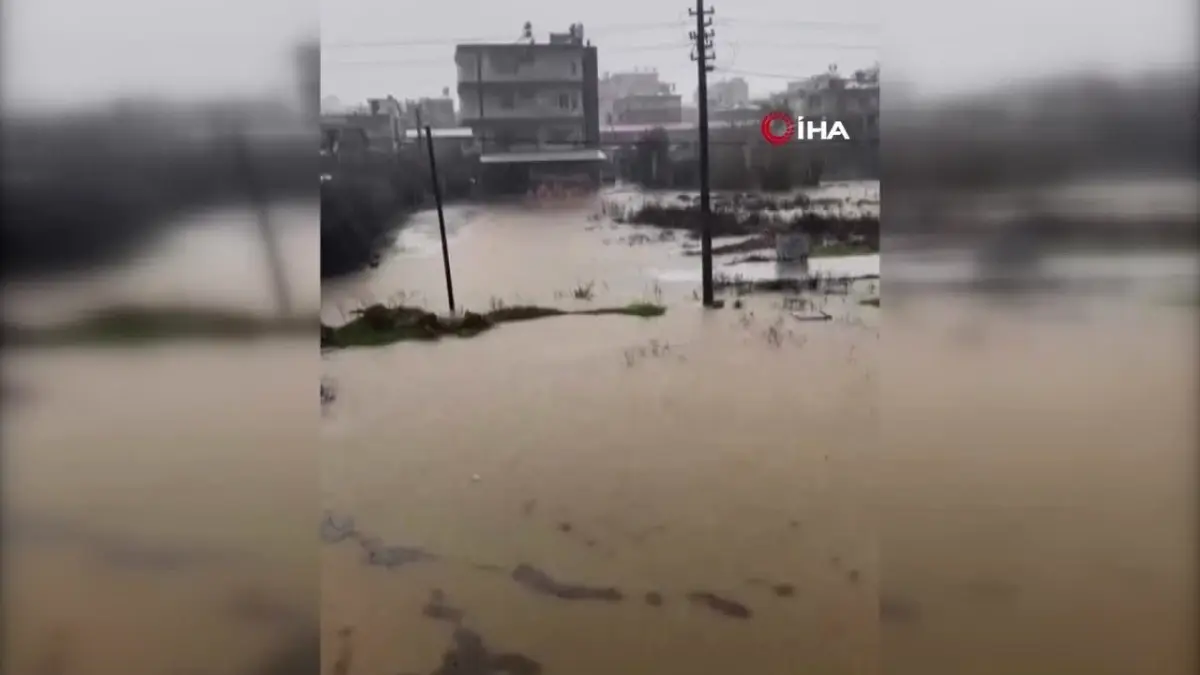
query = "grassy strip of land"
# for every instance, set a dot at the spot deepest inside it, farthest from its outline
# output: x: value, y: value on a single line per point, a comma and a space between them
x: 133, y: 325
x: 381, y: 325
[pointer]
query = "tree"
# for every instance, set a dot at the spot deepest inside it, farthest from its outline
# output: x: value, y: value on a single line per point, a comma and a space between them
x: 652, y: 159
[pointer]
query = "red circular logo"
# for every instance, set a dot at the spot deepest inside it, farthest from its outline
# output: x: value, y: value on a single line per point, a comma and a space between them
x: 788, y: 132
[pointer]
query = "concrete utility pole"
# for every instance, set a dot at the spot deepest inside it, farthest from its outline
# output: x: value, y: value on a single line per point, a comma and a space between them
x: 703, y: 39
x: 437, y: 196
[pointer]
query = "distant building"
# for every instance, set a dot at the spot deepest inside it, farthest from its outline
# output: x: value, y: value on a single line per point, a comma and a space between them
x: 358, y: 133
x: 739, y: 114
x: 437, y: 113
x: 616, y: 86
x: 730, y: 93
x: 852, y: 100
x: 532, y: 105
x: 648, y: 109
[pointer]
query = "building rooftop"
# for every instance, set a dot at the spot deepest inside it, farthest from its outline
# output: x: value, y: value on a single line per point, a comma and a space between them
x: 480, y: 46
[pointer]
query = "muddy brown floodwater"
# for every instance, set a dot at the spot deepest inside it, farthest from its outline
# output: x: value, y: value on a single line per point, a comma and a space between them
x: 599, y: 494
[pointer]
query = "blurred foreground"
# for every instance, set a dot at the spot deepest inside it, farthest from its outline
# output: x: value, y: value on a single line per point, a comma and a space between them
x: 159, y: 483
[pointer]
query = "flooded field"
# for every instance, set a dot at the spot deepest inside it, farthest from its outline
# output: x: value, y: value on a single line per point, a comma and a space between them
x: 600, y: 494
x: 707, y: 492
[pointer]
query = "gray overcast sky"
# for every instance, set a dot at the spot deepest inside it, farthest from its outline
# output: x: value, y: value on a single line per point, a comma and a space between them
x: 70, y: 51
x: 760, y: 36
x: 938, y: 45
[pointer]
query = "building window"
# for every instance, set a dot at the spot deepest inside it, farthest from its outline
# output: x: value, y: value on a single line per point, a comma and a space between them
x: 507, y: 100
x: 574, y: 68
x: 564, y: 101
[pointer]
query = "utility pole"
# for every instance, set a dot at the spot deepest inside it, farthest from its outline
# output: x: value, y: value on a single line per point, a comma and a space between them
x: 701, y: 55
x: 437, y: 197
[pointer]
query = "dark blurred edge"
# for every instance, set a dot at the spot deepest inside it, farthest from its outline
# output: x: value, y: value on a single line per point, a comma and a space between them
x: 971, y: 173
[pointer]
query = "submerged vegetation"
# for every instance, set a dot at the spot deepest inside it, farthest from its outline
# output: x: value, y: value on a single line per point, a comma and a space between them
x: 846, y: 231
x: 380, y: 324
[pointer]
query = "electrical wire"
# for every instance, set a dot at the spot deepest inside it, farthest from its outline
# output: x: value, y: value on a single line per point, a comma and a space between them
x: 442, y: 61
x: 451, y: 41
x: 788, y: 23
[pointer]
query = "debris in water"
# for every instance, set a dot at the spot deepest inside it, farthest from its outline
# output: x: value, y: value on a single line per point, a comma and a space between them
x: 469, y: 655
x: 335, y: 529
x: 654, y: 599
x: 723, y: 606
x: 438, y: 610
x: 392, y: 556
x: 784, y: 590
x: 540, y: 582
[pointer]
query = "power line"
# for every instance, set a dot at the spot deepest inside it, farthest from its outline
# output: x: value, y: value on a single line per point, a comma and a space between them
x: 754, y: 73
x: 802, y: 45
x: 502, y: 39
x: 803, y: 24
x: 443, y: 61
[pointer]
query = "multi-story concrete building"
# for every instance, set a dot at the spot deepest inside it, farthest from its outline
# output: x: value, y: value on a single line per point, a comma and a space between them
x: 356, y: 132
x: 437, y: 113
x: 526, y: 96
x: 532, y: 104
x: 853, y: 100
